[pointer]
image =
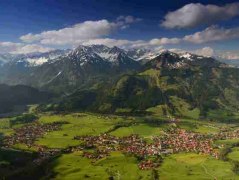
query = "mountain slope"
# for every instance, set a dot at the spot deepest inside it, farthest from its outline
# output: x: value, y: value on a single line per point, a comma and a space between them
x: 84, y: 66
x: 12, y: 96
x: 173, y: 84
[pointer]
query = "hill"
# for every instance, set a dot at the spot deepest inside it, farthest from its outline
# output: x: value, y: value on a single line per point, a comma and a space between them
x: 20, y: 96
x: 169, y: 84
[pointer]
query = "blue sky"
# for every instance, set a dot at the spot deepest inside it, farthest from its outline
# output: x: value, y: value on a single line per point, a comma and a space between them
x: 177, y: 24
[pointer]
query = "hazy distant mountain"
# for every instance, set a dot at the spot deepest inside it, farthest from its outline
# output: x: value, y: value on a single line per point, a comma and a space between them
x: 12, y: 96
x: 32, y: 59
x: 232, y: 62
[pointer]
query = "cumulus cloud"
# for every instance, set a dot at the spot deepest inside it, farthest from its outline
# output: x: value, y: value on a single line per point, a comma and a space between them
x: 117, y: 42
x: 154, y: 43
x: 74, y: 34
x: 206, y: 51
x: 124, y: 21
x: 219, y: 54
x: 128, y: 19
x: 98, y: 32
x: 212, y: 33
x: 6, y: 47
x: 210, y: 52
x: 164, y: 41
x: 108, y: 42
x: 80, y: 32
x: 196, y: 14
x: 20, y: 48
x: 31, y: 48
x: 176, y: 50
x: 230, y: 55
x: 28, y: 38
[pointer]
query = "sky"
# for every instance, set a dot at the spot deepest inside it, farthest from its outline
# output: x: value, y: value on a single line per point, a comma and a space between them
x: 203, y: 26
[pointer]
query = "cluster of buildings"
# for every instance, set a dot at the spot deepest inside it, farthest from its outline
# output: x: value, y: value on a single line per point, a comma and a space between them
x: 180, y: 140
x: 29, y: 133
x: 133, y: 144
x: 226, y: 135
x: 148, y: 164
x: 45, y: 153
x: 174, y: 140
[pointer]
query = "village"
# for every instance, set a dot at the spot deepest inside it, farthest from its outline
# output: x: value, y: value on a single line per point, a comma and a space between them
x: 149, y: 154
x: 174, y: 141
x: 28, y: 134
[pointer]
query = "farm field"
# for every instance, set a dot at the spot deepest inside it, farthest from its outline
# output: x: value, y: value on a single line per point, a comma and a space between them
x: 117, y: 165
x: 194, y: 166
x: 72, y: 164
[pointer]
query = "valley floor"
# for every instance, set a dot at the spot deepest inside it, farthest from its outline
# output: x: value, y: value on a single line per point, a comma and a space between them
x: 94, y: 146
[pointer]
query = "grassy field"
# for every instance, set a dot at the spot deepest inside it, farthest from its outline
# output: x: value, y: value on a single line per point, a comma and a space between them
x: 143, y: 130
x: 194, y: 166
x: 178, y: 166
x: 228, y: 142
x: 72, y: 166
x: 118, y: 166
x: 224, y: 116
x: 5, y: 128
x: 122, y: 166
x: 200, y: 127
x: 234, y: 155
x: 77, y: 125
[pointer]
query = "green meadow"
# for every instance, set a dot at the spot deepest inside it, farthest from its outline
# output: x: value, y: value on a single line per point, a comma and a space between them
x: 123, y: 166
x: 116, y: 166
x: 76, y: 125
x: 194, y: 166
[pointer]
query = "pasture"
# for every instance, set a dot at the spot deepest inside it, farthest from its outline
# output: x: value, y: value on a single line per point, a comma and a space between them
x: 124, y: 166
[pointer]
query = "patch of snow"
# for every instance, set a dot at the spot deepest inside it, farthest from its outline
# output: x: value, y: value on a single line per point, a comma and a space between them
x: 200, y: 57
x: 104, y: 55
x: 58, y: 74
x: 186, y: 56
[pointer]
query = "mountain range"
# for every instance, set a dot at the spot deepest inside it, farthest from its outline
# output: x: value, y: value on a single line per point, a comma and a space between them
x: 114, y: 80
x: 80, y: 67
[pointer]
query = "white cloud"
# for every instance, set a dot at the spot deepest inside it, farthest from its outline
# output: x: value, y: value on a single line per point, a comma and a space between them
x: 20, y: 48
x: 80, y: 32
x: 175, y: 50
x: 128, y: 19
x: 97, y: 32
x: 206, y: 51
x: 6, y: 47
x: 107, y: 41
x: 196, y: 14
x: 164, y: 41
x: 117, y: 42
x: 230, y: 55
x: 74, y: 34
x: 212, y: 33
x: 28, y: 38
x: 154, y: 43
x: 31, y: 48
